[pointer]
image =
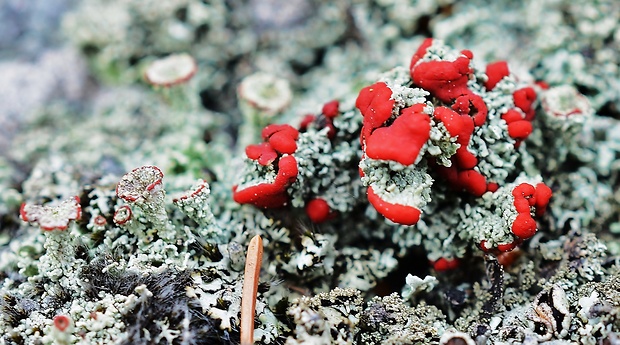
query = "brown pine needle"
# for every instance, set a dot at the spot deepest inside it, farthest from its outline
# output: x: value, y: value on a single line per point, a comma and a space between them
x: 250, y: 288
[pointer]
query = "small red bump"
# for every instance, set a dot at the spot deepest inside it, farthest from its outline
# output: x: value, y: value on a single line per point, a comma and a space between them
x: 543, y: 195
x: 522, y: 195
x: 496, y: 72
x: 508, y: 258
x: 524, y: 99
x: 465, y: 159
x: 473, y: 182
x: 521, y: 205
x: 492, y: 187
x: 287, y: 171
x: 318, y: 210
x: 330, y: 109
x: 281, y: 138
x: 543, y: 85
x: 270, y: 130
x: 524, y: 226
x: 520, y: 130
x: 443, y: 264
x: 467, y: 53
x: 307, y: 120
x: 512, y: 115
x: 524, y: 190
x: 283, y: 143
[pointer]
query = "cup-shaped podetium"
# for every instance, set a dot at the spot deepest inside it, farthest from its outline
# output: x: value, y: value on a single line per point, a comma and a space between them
x: 143, y: 187
x: 261, y: 96
x: 55, y: 217
x: 170, y: 76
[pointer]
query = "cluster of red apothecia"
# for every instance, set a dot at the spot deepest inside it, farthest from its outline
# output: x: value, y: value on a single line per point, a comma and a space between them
x: 401, y: 140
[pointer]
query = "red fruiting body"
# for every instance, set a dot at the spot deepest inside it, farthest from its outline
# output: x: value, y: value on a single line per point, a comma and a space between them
x: 496, y: 71
x: 270, y: 130
x: 543, y: 85
x: 492, y: 187
x: 263, y: 153
x: 445, y: 80
x: 270, y: 195
x: 443, y: 264
x: 472, y: 105
x: 506, y: 259
x: 524, y: 226
x: 282, y: 138
x: 520, y: 130
x: 402, y: 140
x: 522, y: 194
x: 62, y: 322
x: 306, y: 121
x: 463, y: 158
x: 473, y: 182
x: 527, y: 196
x: 401, y: 214
x: 468, y: 53
x: 330, y: 109
x: 465, y: 124
x: 524, y: 99
x: 318, y: 210
x: 419, y: 54
x: 450, y: 119
x: 543, y: 194
x: 375, y: 105
x: 512, y: 115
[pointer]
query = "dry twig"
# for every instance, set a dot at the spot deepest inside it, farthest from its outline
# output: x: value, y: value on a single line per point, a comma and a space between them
x: 250, y: 288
